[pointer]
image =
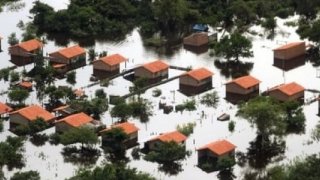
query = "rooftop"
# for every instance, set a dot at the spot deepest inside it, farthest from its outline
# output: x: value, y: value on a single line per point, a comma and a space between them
x: 71, y: 52
x: 289, y: 45
x: 30, y: 45
x: 199, y: 74
x: 77, y: 120
x: 175, y: 136
x: 245, y: 81
x: 4, y: 108
x: 26, y: 84
x: 156, y: 66
x: 33, y: 112
x: 219, y: 147
x: 127, y: 127
x: 289, y: 89
x: 113, y: 59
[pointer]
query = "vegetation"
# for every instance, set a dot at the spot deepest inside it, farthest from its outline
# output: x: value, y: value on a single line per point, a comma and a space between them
x: 186, y: 129
x: 140, y: 108
x: 210, y: 99
x: 83, y: 135
x: 11, y: 152
x: 112, y: 172
x: 94, y: 107
x: 30, y: 175
x: 231, y: 126
x: 18, y: 95
x: 113, y: 143
x: 14, y: 76
x: 71, y: 78
x: 156, y: 92
x: 12, y: 39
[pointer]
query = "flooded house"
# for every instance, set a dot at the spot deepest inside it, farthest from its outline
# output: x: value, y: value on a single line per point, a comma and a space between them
x: 128, y: 128
x: 289, y: 56
x: 4, y: 110
x: 153, y: 71
x: 211, y: 153
x: 195, y: 81
x: 68, y: 58
x: 27, y: 85
x: 287, y: 92
x: 197, y: 42
x: 175, y: 136
x: 74, y: 121
x: 24, y: 52
x: 108, y: 65
x: 28, y: 114
x: 242, y: 89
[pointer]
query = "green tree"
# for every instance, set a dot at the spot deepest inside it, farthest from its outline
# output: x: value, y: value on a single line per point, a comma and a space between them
x: 234, y: 47
x: 12, y: 39
x: 92, y: 54
x: 266, y: 114
x: 210, y: 99
x: 11, y: 152
x: 168, y: 152
x: 38, y: 125
x: 71, y: 78
x: 100, y: 94
x: 121, y: 110
x: 186, y: 129
x: 113, y: 142
x: 18, y: 95
x: 84, y: 135
x: 112, y: 172
x: 29, y: 175
x: 14, y: 76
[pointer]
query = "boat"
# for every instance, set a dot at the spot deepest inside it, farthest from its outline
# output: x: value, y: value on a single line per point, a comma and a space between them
x: 224, y: 117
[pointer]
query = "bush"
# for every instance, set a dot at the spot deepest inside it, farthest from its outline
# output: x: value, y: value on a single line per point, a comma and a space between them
x: 210, y: 99
x: 156, y: 92
x: 231, y: 126
x: 186, y: 129
x: 135, y: 153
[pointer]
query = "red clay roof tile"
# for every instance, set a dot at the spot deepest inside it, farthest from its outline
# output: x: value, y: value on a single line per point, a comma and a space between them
x: 127, y: 127
x: 156, y: 66
x: 175, y: 136
x: 199, y: 74
x: 4, y: 108
x: 77, y: 120
x: 288, y: 46
x: 245, y: 81
x: 219, y: 147
x: 113, y: 59
x: 70, y: 52
x: 290, y: 88
x: 33, y: 112
x: 30, y: 45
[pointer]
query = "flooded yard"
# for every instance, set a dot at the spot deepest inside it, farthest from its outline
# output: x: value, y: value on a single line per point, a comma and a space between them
x: 49, y: 162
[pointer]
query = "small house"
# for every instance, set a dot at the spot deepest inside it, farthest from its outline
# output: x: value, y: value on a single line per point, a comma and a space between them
x: 74, y: 121
x: 26, y: 85
x: 242, y: 88
x: 23, y: 53
x: 4, y: 109
x: 196, y: 39
x: 214, y: 151
x: 153, y: 71
x: 128, y: 128
x: 28, y: 114
x: 287, y: 92
x: 195, y: 81
x: 289, y: 56
x: 68, y: 58
x: 108, y: 65
x: 175, y: 136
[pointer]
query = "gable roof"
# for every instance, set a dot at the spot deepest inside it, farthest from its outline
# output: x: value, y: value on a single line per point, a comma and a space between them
x: 30, y: 45
x: 289, y: 89
x: 245, y: 81
x: 33, y: 112
x: 26, y: 84
x: 219, y: 147
x: 199, y: 74
x: 4, y: 108
x: 113, y: 59
x: 156, y: 66
x: 289, y: 45
x: 175, y: 136
x: 70, y: 52
x: 127, y: 127
x: 77, y: 120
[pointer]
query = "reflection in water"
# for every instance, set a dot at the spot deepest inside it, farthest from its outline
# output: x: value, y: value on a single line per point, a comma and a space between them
x: 171, y: 169
x: 233, y: 68
x: 85, y: 156
x: 39, y: 139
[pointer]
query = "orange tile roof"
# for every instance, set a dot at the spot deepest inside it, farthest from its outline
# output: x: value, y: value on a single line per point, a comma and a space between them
x: 71, y: 52
x: 79, y: 92
x: 156, y: 66
x: 32, y: 112
x: 219, y: 147
x: 175, y: 136
x: 127, y: 127
x: 4, y: 108
x: 290, y: 88
x: 26, y: 84
x: 199, y: 74
x: 290, y: 45
x: 245, y: 81
x: 60, y: 108
x: 113, y: 59
x: 77, y: 120
x: 56, y: 66
x: 30, y: 45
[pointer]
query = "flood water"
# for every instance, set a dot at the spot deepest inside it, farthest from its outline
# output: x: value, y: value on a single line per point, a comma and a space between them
x: 49, y: 162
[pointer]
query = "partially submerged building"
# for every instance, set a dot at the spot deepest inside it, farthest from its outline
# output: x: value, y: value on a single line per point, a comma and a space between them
x: 74, y: 121
x: 24, y: 52
x: 108, y: 65
x: 242, y: 88
x: 195, y: 81
x: 197, y: 42
x: 128, y: 128
x: 68, y: 58
x: 4, y: 109
x: 287, y: 92
x: 289, y: 56
x: 153, y: 71
x: 174, y: 136
x: 28, y: 114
